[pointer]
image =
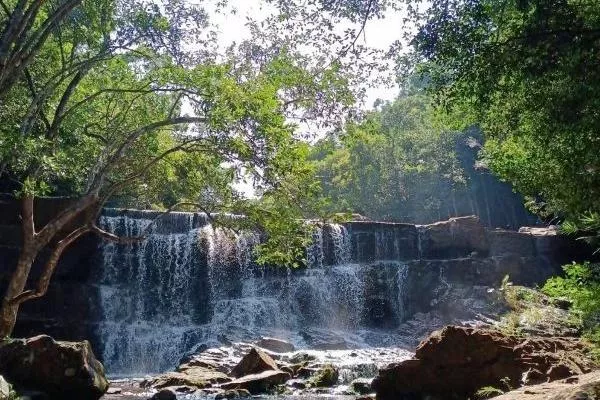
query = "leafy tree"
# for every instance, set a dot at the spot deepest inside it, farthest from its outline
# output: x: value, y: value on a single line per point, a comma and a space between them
x: 526, y: 72
x: 116, y: 106
x: 398, y: 164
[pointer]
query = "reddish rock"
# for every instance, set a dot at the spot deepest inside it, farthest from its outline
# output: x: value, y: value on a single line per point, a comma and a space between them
x: 457, y: 361
x: 254, y: 362
x: 258, y: 383
x: 197, y: 377
x: 59, y: 369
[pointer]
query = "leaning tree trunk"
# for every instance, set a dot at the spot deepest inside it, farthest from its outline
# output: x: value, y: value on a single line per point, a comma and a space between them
x: 10, y: 308
x: 29, y: 250
x: 32, y: 243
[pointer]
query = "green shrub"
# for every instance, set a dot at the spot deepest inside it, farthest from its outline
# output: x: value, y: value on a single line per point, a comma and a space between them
x: 488, y: 392
x: 581, y: 286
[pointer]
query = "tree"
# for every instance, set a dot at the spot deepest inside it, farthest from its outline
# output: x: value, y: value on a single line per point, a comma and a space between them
x: 398, y: 164
x: 27, y: 25
x: 115, y: 100
x: 526, y: 72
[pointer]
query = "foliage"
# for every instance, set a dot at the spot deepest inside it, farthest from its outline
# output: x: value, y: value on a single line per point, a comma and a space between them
x: 580, y: 285
x: 130, y: 102
x: 526, y: 71
x: 487, y: 392
x: 397, y: 163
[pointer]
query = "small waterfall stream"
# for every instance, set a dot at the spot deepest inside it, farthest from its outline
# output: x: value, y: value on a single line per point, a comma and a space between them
x: 190, y: 284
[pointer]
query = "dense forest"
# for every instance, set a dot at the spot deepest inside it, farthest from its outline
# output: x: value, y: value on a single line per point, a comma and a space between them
x: 137, y: 104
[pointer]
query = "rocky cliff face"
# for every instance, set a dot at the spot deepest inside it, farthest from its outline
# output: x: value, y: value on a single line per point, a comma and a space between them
x: 368, y: 284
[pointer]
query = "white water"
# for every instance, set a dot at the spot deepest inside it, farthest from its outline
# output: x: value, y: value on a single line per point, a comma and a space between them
x: 196, y: 285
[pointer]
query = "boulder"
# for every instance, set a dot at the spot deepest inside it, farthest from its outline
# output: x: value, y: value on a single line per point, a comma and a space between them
x: 233, y: 394
x: 254, y: 362
x: 258, y: 383
x: 361, y: 385
x: 275, y: 345
x: 326, y: 376
x: 457, y: 361
x: 60, y: 369
x: 457, y: 237
x: 197, y: 377
x: 164, y: 394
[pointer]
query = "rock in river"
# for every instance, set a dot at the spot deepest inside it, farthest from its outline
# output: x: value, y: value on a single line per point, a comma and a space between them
x: 457, y: 361
x: 258, y: 383
x: 63, y: 370
x: 254, y: 362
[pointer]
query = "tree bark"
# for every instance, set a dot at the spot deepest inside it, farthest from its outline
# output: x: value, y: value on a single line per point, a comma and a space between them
x: 8, y: 312
x: 33, y: 243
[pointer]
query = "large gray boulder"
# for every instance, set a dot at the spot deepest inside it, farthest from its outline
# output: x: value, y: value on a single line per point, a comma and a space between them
x: 62, y: 370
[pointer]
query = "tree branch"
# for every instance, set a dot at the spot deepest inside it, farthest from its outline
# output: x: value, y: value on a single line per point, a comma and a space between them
x: 49, y: 267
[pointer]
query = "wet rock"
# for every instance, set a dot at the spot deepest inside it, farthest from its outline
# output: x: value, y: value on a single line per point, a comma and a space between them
x: 258, y: 383
x: 326, y: 376
x: 457, y: 361
x: 233, y: 394
x: 297, y: 384
x: 164, y: 394
x: 114, y: 390
x: 320, y: 339
x: 202, y: 363
x: 301, y: 357
x: 197, y: 377
x: 361, y: 385
x: 275, y: 345
x: 254, y: 362
x: 60, y: 369
x: 306, y: 372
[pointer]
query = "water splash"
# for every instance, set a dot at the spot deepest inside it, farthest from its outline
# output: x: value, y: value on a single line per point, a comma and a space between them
x: 199, y: 284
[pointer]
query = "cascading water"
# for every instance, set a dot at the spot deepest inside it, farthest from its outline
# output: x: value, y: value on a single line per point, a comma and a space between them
x: 189, y: 283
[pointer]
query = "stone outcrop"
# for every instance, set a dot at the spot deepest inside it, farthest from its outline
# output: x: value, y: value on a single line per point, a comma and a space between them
x: 581, y: 387
x: 256, y: 361
x: 59, y: 369
x: 457, y: 237
x: 457, y: 361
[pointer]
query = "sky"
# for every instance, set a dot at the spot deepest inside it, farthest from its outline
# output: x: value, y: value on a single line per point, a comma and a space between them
x: 378, y: 33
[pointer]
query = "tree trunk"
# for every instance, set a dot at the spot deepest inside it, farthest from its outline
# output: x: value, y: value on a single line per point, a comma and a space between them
x: 32, y: 243
x: 29, y: 251
x: 8, y: 312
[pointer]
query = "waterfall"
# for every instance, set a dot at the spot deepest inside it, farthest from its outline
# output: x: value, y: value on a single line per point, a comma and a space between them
x: 190, y: 283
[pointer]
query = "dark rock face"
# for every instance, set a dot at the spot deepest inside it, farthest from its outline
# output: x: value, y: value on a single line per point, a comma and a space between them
x: 457, y: 237
x: 456, y: 361
x: 59, y: 369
